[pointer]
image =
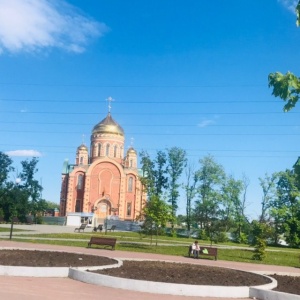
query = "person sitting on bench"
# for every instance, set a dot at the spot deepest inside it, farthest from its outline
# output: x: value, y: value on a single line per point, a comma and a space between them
x: 196, y: 249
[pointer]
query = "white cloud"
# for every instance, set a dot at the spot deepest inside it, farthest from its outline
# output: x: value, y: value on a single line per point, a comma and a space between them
x: 32, y: 25
x: 207, y: 122
x: 27, y: 153
x: 289, y: 4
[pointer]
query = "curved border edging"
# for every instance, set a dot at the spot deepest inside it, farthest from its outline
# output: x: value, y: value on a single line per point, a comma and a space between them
x: 34, y: 271
x: 271, y: 295
x: 49, y: 271
x: 164, y: 288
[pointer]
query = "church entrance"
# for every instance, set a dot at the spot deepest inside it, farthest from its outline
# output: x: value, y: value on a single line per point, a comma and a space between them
x: 103, y: 209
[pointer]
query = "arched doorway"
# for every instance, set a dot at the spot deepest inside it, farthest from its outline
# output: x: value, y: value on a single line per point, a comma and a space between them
x: 103, y: 209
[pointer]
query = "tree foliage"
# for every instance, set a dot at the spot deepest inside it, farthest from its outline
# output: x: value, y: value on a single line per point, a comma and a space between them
x: 286, y: 87
x: 18, y: 200
x: 285, y: 208
x: 190, y: 188
x: 176, y: 163
x: 156, y: 214
x: 268, y: 186
x: 211, y: 176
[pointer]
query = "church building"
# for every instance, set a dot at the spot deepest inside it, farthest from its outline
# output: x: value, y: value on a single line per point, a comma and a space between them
x: 103, y: 180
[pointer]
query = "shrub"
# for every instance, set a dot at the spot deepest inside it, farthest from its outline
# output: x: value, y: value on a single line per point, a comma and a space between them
x: 260, y: 250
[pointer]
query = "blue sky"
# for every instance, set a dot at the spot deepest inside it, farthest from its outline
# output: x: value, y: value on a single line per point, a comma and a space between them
x: 191, y: 74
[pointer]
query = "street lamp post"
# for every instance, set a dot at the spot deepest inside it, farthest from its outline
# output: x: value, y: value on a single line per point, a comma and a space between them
x: 18, y: 180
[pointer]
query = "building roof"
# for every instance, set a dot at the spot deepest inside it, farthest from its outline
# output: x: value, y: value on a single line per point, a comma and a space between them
x: 108, y: 125
x: 82, y: 147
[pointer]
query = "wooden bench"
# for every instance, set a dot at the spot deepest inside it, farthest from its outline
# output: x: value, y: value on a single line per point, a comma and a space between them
x: 100, y: 228
x: 112, y: 228
x: 211, y: 251
x: 103, y: 241
x: 29, y: 221
x: 82, y: 227
x: 16, y: 220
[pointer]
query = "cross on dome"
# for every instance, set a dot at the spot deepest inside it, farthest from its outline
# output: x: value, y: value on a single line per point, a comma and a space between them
x: 131, y: 142
x: 109, y: 100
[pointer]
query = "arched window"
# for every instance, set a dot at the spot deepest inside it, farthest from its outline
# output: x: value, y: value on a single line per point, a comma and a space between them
x: 99, y: 149
x: 115, y: 150
x: 130, y: 163
x: 107, y: 150
x: 130, y: 181
x: 81, y: 160
x: 80, y: 182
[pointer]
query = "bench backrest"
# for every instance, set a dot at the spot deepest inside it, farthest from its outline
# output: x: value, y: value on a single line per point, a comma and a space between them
x: 211, y: 251
x: 95, y: 239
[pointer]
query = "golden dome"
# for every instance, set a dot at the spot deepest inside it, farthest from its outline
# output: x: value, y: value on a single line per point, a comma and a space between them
x: 82, y: 147
x: 108, y: 125
x: 131, y: 150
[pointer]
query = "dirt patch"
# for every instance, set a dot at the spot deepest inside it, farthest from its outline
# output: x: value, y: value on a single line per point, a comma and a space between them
x: 184, y: 273
x: 151, y: 271
x: 288, y: 284
x: 30, y: 258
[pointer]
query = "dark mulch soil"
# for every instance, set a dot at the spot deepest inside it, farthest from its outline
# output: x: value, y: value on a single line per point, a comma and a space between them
x: 160, y: 271
x: 29, y: 258
x: 288, y: 284
x: 145, y: 270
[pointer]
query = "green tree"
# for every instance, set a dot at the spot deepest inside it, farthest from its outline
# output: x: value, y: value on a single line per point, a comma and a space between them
x: 5, y: 168
x: 18, y: 200
x: 176, y: 163
x: 160, y: 172
x: 260, y: 233
x: 190, y: 188
x: 241, y: 221
x: 154, y: 176
x: 211, y: 177
x: 147, y: 178
x: 286, y: 87
x: 156, y: 214
x: 231, y: 202
x: 32, y: 186
x: 285, y: 208
x: 52, y: 205
x: 268, y: 186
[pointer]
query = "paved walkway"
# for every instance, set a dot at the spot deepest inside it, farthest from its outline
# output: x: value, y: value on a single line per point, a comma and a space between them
x: 28, y: 288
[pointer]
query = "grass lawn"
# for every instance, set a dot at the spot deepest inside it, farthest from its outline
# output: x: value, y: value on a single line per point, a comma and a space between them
x: 134, y: 242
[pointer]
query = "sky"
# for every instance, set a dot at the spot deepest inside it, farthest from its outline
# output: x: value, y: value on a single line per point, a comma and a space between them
x: 191, y: 74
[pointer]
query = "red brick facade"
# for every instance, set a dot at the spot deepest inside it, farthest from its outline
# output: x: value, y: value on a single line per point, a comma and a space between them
x: 105, y: 182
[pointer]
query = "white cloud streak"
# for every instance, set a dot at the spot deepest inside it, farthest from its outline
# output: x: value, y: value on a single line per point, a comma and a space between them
x: 33, y: 25
x: 207, y: 122
x: 24, y: 153
x: 289, y: 4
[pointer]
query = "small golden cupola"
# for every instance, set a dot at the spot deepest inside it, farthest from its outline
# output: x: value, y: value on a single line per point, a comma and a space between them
x: 131, y: 158
x: 82, y: 155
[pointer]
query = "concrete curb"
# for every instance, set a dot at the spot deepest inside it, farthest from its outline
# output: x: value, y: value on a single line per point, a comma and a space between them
x: 82, y: 274
x: 167, y: 288
x: 271, y: 295
x: 34, y: 271
x: 48, y: 271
